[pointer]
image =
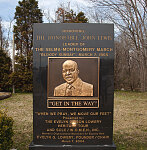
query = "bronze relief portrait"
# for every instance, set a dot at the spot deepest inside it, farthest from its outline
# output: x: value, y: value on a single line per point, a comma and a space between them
x: 73, y: 77
x: 73, y: 86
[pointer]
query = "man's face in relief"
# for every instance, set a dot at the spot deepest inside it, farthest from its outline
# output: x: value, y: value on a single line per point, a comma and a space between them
x: 70, y: 71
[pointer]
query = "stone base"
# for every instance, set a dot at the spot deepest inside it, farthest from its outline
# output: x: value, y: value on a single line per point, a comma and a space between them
x: 72, y: 147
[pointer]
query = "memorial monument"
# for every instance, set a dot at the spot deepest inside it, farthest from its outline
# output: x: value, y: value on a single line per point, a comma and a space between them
x: 73, y: 89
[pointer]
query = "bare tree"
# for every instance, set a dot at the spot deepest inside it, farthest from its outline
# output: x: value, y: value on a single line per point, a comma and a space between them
x: 126, y: 66
x: 64, y: 14
x: 59, y: 14
x: 48, y: 16
x: 130, y: 17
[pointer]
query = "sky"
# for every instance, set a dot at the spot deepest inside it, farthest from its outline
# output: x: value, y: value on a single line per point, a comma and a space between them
x: 7, y: 7
x: 7, y: 10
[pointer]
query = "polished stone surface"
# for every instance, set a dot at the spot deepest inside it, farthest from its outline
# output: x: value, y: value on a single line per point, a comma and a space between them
x: 82, y: 122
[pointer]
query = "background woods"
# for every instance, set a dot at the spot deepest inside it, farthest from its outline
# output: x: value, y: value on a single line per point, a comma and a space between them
x: 5, y: 61
x: 130, y: 18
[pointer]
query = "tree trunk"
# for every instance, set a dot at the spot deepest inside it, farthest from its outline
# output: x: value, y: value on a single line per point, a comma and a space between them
x: 142, y: 74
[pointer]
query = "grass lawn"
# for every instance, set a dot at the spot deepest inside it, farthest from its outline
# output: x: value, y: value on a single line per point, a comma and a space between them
x: 130, y: 120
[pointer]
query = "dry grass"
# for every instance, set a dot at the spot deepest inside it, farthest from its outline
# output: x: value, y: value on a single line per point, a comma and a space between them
x: 130, y: 120
x: 20, y: 108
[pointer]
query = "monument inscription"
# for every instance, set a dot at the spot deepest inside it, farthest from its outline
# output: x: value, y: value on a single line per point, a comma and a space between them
x: 73, y: 87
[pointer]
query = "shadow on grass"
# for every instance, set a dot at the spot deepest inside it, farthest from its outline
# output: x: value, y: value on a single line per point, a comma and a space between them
x: 126, y: 142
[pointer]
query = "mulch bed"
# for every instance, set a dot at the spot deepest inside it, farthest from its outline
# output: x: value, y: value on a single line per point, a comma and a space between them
x: 4, y: 95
